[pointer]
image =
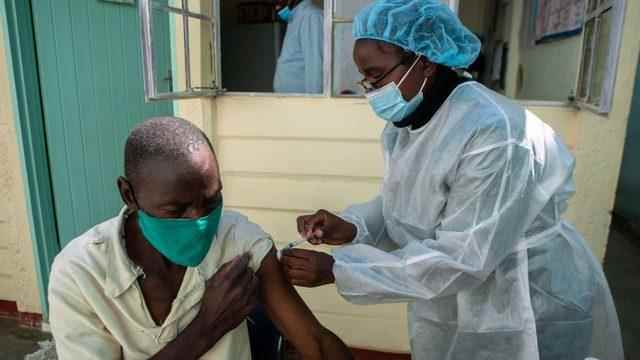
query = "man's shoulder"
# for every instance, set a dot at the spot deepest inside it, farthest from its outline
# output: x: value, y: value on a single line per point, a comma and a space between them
x: 237, y: 226
x: 240, y: 235
x: 89, y: 251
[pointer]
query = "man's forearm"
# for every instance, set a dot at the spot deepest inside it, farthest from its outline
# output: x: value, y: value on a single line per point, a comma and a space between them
x: 192, y: 343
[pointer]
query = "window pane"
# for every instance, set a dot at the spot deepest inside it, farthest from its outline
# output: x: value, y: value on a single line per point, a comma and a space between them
x: 349, y: 8
x: 345, y: 72
x: 593, y: 4
x: 165, y: 47
x: 201, y: 48
x: 600, y: 58
x: 587, y: 51
x: 204, y: 7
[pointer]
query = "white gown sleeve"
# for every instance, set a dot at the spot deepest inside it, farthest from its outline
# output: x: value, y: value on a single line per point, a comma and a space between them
x: 368, y: 219
x: 492, y: 200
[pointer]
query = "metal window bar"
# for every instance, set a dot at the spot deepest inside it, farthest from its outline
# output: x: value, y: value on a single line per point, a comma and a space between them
x: 184, y: 11
x: 586, y: 84
x: 329, y: 8
x: 594, y: 15
x: 601, y: 9
x: 187, y: 52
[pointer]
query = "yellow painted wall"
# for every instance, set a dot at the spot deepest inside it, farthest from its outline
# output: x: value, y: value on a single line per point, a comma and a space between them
x: 17, y: 268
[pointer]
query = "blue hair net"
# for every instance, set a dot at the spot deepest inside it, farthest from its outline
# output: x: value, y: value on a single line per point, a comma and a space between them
x: 425, y: 27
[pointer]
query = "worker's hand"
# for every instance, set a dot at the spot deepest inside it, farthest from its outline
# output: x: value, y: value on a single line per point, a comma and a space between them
x: 307, y: 268
x: 230, y: 296
x: 324, y: 227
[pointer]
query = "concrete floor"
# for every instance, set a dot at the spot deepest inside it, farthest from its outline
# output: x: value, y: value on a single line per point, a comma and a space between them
x: 622, y: 266
x: 16, y: 341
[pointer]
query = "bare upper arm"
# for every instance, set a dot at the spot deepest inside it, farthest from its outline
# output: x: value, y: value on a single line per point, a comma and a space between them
x: 286, y: 308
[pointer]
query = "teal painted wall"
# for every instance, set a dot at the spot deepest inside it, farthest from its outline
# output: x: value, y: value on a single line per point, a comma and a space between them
x: 628, y: 195
x: 90, y: 69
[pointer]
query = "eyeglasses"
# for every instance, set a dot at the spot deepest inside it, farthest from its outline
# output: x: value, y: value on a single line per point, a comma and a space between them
x: 369, y: 86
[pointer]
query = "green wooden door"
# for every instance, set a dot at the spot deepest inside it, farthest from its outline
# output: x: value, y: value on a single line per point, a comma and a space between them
x: 92, y: 93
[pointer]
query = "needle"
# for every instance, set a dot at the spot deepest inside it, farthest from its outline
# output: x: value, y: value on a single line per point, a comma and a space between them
x: 291, y: 245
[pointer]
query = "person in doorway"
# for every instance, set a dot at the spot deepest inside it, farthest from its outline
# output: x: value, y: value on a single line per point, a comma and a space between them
x: 467, y: 228
x: 299, y: 67
x: 174, y: 275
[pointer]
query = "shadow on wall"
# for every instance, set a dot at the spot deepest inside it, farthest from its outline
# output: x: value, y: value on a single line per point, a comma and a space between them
x: 628, y: 193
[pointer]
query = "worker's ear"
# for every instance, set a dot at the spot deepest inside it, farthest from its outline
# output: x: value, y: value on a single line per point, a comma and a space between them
x: 428, y: 67
x: 126, y: 193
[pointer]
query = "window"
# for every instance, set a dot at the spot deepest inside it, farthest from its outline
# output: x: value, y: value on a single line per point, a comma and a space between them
x: 195, y: 48
x: 600, y: 50
x: 207, y: 47
x: 179, y: 47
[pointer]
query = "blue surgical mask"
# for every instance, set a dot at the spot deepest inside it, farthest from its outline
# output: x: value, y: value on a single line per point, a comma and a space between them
x: 285, y: 14
x: 388, y: 102
x: 184, y: 242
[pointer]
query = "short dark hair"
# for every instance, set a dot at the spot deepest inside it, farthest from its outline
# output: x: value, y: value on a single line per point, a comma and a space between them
x: 165, y: 138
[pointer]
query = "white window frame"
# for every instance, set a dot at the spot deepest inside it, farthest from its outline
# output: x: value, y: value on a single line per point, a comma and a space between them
x: 145, y: 8
x: 584, y: 80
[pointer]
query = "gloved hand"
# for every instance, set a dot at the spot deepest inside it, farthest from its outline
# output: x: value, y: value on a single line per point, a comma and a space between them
x: 307, y: 268
x: 324, y: 227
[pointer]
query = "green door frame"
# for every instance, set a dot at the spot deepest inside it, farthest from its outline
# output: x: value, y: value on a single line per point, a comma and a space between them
x: 29, y: 120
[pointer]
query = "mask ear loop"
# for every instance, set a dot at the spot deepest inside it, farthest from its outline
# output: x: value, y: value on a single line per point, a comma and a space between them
x: 424, y: 84
x: 409, y: 71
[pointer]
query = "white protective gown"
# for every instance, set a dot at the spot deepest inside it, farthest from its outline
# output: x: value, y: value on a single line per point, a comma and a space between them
x: 468, y: 232
x: 299, y: 68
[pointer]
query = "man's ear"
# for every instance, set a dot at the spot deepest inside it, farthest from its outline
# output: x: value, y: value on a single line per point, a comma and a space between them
x: 126, y: 193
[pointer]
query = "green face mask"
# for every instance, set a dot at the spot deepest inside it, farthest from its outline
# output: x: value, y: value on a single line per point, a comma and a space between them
x: 184, y: 242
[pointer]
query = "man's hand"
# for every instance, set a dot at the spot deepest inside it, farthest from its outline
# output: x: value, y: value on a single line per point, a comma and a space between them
x: 230, y: 296
x: 324, y: 227
x: 307, y: 268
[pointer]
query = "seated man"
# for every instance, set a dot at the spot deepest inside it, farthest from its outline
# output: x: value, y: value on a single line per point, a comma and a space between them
x: 174, y: 276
